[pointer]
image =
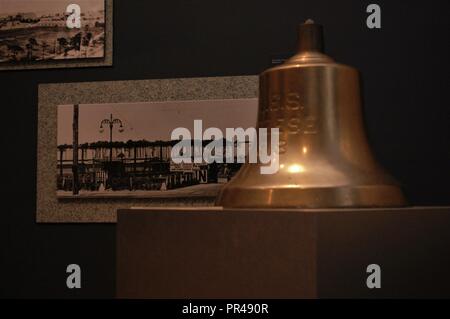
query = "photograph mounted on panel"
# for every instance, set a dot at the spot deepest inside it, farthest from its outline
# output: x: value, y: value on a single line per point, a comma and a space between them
x: 48, y: 34
x: 148, y: 111
x: 124, y: 150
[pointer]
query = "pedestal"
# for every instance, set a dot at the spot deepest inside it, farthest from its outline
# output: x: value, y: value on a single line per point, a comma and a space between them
x: 215, y: 253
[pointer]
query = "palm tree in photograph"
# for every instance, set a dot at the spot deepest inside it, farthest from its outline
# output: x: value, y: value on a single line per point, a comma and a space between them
x: 44, y: 46
x: 86, y: 42
x: 29, y: 51
x: 14, y: 50
x: 32, y: 43
x: 62, y: 43
x: 75, y: 42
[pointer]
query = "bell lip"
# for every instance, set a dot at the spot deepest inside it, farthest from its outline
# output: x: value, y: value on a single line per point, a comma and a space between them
x: 358, y: 196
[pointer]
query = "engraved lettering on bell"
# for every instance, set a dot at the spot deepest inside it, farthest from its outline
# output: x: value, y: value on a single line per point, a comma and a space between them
x: 325, y: 159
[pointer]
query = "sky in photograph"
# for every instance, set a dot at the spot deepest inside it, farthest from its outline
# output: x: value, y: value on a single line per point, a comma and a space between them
x: 154, y: 120
x: 47, y: 6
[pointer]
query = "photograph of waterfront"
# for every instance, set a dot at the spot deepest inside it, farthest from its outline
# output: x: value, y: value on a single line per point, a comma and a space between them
x: 33, y: 31
x: 124, y: 150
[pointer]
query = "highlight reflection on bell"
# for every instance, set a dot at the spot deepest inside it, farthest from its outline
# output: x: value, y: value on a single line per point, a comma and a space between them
x: 325, y: 159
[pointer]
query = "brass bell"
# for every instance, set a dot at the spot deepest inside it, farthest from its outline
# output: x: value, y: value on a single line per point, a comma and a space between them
x: 324, y: 157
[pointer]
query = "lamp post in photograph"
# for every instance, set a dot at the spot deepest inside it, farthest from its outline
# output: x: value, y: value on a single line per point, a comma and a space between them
x: 111, y: 122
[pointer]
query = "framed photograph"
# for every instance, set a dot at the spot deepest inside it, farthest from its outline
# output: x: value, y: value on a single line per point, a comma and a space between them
x: 36, y: 34
x: 124, y: 150
x: 104, y: 146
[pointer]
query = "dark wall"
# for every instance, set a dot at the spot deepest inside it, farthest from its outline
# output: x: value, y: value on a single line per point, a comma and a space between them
x: 406, y: 75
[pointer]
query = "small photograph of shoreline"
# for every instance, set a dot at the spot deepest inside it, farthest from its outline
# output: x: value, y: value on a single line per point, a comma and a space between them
x: 36, y: 31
